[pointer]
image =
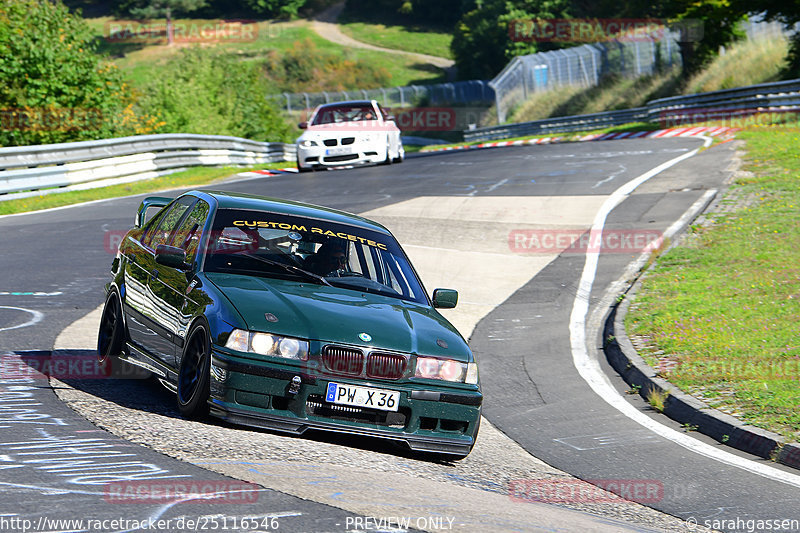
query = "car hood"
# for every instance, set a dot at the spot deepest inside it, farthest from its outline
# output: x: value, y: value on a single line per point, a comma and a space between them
x: 349, y: 128
x: 332, y: 314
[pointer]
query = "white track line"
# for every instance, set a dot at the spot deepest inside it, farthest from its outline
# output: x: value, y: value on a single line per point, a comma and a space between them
x: 590, y: 370
x: 36, y: 317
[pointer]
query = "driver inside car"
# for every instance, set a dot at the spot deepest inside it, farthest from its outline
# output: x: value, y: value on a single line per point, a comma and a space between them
x: 330, y: 257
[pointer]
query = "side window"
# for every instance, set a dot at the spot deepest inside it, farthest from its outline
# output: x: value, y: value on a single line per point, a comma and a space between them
x: 168, y: 222
x: 152, y: 224
x: 188, y: 234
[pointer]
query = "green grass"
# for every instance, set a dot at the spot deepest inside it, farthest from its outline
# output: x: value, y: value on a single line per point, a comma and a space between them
x: 186, y: 178
x: 142, y: 61
x: 724, y: 308
x: 411, y: 39
x: 746, y: 62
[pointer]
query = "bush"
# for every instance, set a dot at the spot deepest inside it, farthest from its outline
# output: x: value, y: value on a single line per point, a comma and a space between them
x: 304, y: 67
x: 53, y: 86
x: 208, y: 92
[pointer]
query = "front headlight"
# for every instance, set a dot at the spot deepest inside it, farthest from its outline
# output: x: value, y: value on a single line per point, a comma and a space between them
x: 306, y: 143
x: 447, y: 370
x: 268, y: 344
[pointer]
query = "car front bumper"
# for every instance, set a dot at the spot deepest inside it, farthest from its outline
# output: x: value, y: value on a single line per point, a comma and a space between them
x: 354, y: 154
x: 429, y: 419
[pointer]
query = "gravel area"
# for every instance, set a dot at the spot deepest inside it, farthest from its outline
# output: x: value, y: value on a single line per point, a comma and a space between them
x: 142, y: 412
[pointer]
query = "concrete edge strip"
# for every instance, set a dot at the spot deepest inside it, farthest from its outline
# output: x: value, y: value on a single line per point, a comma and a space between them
x: 589, y: 367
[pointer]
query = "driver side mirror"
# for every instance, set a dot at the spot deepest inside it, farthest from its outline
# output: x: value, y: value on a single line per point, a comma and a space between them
x: 171, y: 256
x: 445, y: 298
x: 303, y: 125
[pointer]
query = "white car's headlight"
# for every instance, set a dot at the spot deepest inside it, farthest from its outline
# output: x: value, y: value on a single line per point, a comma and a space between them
x: 447, y: 370
x: 306, y: 143
x: 268, y: 344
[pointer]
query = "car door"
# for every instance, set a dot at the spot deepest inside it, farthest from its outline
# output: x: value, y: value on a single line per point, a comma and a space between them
x: 172, y: 286
x: 136, y: 281
x: 149, y: 315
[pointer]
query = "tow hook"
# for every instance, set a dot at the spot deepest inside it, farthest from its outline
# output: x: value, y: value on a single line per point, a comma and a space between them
x: 294, y: 386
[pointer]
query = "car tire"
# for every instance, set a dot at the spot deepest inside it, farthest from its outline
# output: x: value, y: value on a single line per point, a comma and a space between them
x: 303, y: 169
x: 193, y: 374
x: 401, y: 155
x: 388, y: 160
x: 111, y: 335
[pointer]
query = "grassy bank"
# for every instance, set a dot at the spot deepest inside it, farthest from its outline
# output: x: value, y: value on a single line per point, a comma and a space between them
x: 408, y: 38
x: 613, y: 93
x: 187, y: 178
x: 718, y: 316
x: 144, y: 59
x: 746, y: 62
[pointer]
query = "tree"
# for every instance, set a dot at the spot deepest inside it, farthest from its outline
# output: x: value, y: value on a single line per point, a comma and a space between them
x: 482, y: 40
x: 166, y: 8
x: 275, y: 8
x: 53, y: 86
x: 440, y: 14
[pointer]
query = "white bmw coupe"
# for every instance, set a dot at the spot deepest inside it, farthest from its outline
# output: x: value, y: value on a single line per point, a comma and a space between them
x: 342, y: 134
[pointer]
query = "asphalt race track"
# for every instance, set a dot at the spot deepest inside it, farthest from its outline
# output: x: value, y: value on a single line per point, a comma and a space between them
x: 468, y: 220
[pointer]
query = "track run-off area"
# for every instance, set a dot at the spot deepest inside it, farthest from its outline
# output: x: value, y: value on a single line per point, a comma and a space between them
x: 491, y: 224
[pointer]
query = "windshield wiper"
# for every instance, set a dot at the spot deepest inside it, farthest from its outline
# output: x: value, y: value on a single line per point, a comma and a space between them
x: 290, y: 268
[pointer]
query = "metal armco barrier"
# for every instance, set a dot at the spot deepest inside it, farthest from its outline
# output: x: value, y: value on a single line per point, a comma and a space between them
x: 44, y: 169
x: 780, y: 96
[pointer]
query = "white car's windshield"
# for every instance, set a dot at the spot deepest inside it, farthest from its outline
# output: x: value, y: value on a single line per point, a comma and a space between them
x: 344, y: 113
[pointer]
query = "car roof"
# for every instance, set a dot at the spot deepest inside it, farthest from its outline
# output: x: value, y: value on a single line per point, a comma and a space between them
x: 348, y: 102
x: 231, y: 200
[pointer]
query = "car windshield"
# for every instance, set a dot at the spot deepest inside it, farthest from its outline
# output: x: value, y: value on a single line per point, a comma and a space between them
x: 273, y: 245
x: 344, y: 113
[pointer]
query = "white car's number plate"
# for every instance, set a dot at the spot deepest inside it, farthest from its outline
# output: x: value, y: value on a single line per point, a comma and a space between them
x: 338, y: 151
x: 385, y: 400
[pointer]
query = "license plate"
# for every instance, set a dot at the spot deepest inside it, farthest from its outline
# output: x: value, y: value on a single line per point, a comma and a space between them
x: 338, y: 151
x: 385, y: 400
